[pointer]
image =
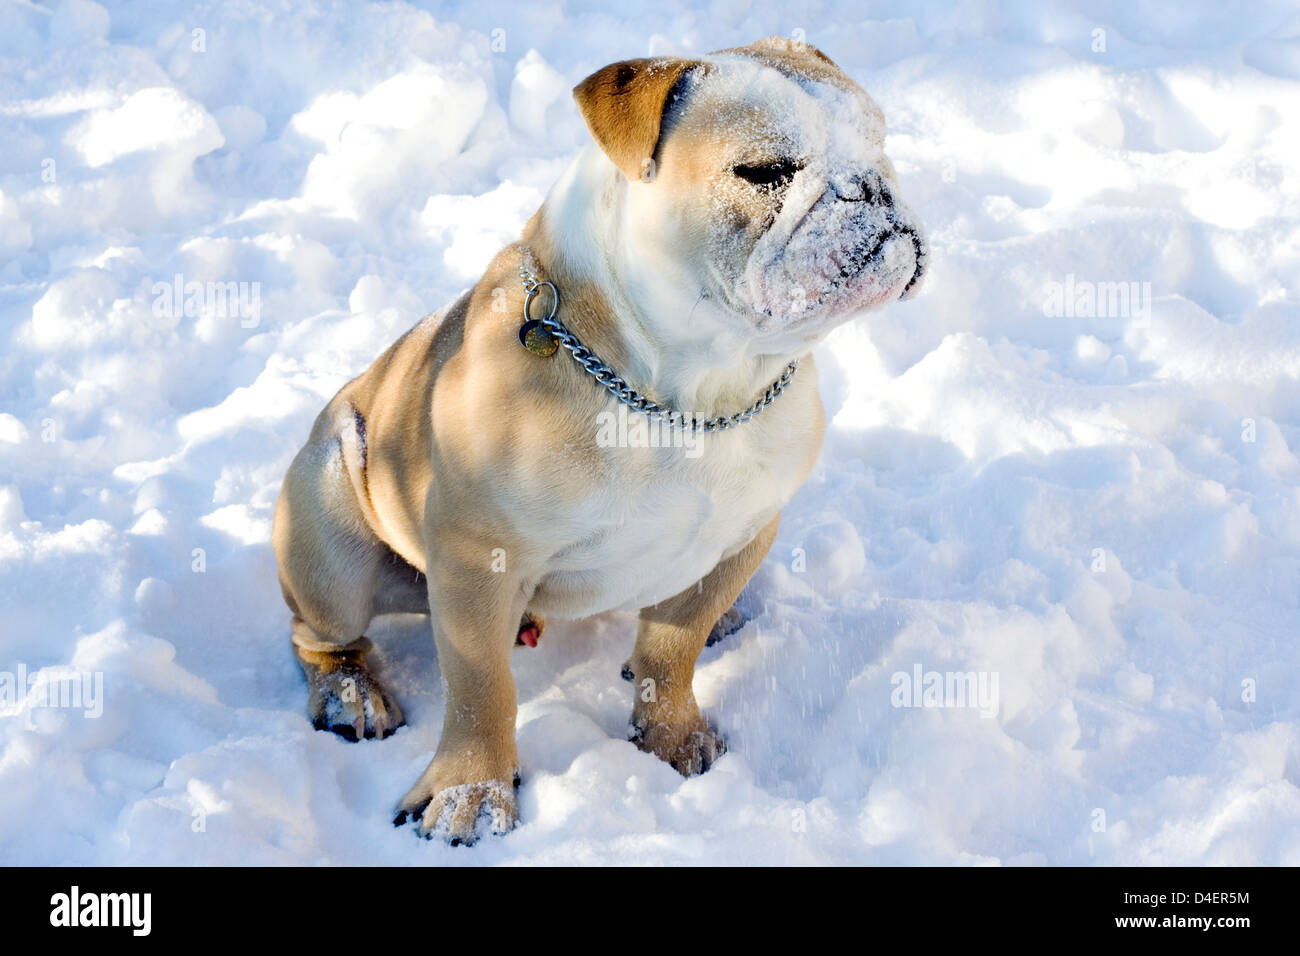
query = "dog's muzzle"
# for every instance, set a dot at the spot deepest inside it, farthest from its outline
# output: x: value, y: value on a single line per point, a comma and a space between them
x: 870, y: 187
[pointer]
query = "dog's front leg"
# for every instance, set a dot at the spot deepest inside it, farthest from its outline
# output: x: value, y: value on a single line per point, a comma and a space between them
x: 666, y: 720
x: 475, y: 612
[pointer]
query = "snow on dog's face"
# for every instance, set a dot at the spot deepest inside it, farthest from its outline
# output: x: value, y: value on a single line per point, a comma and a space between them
x: 764, y: 173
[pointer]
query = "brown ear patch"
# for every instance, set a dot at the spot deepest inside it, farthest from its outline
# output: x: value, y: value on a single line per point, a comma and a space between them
x: 623, y: 105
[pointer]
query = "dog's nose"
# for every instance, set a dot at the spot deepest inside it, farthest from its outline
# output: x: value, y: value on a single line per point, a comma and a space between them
x: 920, y: 255
x: 863, y: 186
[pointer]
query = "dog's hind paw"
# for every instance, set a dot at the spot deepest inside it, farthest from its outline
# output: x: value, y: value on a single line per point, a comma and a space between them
x: 732, y: 620
x: 689, y: 750
x: 346, y: 699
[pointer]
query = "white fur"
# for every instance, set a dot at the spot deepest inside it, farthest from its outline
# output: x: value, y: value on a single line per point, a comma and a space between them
x: 662, y: 520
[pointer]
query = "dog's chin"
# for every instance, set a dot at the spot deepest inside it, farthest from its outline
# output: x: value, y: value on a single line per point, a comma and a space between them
x: 869, y: 289
x: 866, y: 291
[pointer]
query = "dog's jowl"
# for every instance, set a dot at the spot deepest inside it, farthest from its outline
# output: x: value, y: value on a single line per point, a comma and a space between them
x: 732, y: 209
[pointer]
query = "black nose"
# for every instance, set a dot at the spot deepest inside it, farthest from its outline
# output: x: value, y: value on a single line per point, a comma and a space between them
x: 864, y: 187
x: 918, y: 247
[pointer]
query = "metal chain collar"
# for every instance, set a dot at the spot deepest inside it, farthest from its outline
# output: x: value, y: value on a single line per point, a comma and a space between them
x: 615, y: 385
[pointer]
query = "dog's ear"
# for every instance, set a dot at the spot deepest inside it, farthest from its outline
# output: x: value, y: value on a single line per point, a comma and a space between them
x: 624, y: 103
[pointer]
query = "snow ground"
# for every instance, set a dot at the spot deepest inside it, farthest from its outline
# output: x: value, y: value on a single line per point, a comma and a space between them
x: 1101, y: 512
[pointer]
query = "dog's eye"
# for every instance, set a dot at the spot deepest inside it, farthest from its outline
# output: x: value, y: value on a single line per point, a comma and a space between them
x: 767, y: 175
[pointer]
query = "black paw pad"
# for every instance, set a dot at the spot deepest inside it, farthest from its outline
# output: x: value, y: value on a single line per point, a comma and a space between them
x: 346, y: 731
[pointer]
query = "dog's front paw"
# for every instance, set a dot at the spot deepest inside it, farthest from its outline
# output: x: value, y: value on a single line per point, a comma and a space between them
x: 690, y: 748
x: 347, y: 699
x: 456, y: 810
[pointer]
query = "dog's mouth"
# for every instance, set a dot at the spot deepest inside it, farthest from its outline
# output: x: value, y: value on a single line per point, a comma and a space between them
x: 852, y: 267
x: 867, y: 253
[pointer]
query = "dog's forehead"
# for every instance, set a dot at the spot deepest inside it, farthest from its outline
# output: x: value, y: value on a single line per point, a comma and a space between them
x: 763, y: 100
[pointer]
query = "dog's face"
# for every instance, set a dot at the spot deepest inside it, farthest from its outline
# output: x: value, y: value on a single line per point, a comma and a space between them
x: 762, y: 169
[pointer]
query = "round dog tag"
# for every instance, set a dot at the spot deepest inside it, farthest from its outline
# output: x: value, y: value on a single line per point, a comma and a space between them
x: 537, y: 340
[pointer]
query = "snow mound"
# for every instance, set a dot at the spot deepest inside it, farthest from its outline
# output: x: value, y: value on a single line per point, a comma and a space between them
x: 1038, y: 604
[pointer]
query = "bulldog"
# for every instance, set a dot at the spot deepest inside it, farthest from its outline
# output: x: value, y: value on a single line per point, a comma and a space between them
x: 731, y: 210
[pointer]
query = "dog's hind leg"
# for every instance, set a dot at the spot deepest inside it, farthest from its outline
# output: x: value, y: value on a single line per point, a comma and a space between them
x: 333, y: 573
x: 344, y: 696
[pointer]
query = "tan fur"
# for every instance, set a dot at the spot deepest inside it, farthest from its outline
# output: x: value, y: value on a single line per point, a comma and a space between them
x: 665, y: 717
x: 623, y: 106
x: 797, y: 58
x: 458, y: 445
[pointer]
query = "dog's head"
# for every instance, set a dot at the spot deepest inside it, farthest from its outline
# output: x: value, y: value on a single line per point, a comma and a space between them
x: 763, y: 168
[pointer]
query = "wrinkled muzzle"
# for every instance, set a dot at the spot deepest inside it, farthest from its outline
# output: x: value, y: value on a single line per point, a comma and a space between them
x: 856, y: 248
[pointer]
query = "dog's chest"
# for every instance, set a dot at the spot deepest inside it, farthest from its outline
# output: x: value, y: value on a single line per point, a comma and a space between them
x: 663, y: 520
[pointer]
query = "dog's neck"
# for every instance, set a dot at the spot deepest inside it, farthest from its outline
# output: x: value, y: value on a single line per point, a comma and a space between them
x: 663, y: 335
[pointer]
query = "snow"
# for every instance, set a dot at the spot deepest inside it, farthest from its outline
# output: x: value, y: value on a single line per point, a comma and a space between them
x: 1095, y: 509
